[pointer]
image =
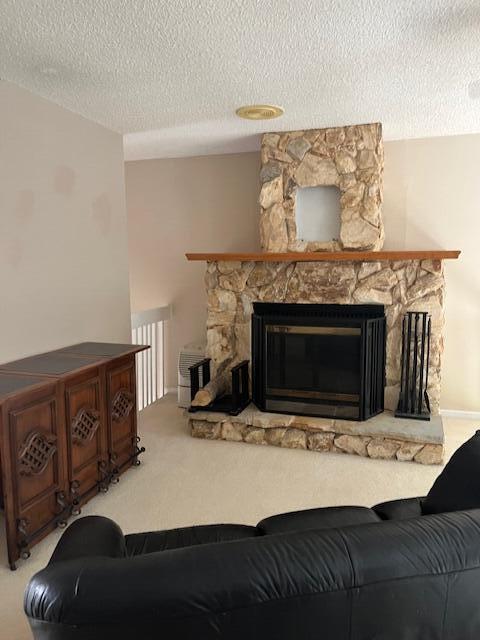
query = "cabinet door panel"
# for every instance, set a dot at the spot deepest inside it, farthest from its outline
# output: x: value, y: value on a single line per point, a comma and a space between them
x: 40, y: 516
x: 122, y: 412
x: 34, y: 436
x: 37, y: 448
x: 86, y: 426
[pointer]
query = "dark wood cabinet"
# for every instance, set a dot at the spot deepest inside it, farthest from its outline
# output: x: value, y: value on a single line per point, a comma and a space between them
x: 68, y: 428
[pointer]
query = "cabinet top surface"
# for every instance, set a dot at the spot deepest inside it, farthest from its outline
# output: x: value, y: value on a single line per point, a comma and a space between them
x: 11, y: 383
x: 51, y: 364
x: 70, y: 359
x: 105, y: 349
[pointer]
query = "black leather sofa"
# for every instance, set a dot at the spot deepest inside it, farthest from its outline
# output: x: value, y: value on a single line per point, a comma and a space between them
x: 387, y: 573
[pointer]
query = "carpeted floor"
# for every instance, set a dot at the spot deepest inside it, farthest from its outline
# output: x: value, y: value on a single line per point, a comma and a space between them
x: 185, y: 481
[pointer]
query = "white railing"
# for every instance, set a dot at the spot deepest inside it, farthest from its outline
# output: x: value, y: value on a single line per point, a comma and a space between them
x: 148, y: 328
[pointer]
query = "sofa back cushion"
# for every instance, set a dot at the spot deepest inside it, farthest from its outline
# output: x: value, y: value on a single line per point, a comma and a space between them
x: 457, y: 488
x: 321, y: 518
x: 153, y: 541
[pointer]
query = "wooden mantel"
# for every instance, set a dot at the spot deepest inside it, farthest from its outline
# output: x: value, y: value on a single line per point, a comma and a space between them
x: 326, y: 256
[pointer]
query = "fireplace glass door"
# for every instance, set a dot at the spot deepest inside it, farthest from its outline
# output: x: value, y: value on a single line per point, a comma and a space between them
x: 319, y: 360
x: 313, y: 364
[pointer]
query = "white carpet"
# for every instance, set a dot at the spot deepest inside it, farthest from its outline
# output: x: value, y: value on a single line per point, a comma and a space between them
x: 185, y: 481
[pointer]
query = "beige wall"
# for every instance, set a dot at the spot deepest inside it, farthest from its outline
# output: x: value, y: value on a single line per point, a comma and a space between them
x: 63, y: 245
x: 432, y: 196
x: 432, y: 200
x: 187, y: 204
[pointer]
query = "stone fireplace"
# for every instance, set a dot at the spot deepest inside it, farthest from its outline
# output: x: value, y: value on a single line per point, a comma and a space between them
x: 351, y: 270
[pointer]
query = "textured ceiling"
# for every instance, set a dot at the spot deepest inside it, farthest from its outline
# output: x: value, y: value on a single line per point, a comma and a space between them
x: 171, y: 73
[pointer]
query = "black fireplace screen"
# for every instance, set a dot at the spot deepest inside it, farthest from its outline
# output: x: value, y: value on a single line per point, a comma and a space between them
x: 321, y: 360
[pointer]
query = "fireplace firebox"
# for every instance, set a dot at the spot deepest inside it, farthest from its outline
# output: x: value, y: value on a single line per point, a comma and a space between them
x: 324, y: 360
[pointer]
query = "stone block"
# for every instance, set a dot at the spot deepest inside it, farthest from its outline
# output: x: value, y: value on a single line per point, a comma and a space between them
x: 316, y: 171
x: 234, y: 281
x: 275, y: 435
x: 228, y: 266
x: 382, y: 448
x: 359, y: 234
x: 294, y: 439
x: 271, y: 192
x: 335, y: 137
x: 233, y: 431
x: 365, y: 294
x: 352, y: 444
x: 367, y: 159
x: 205, y: 429
x: 298, y: 147
x: 273, y: 229
x: 430, y: 454
x: 352, y: 196
x: 344, y: 162
x: 211, y: 279
x: 408, y: 450
x: 320, y: 441
x: 270, y: 170
x: 424, y: 285
x: 254, y: 435
x: 392, y: 392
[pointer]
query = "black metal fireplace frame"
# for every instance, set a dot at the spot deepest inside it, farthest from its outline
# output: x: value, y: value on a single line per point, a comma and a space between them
x: 369, y: 318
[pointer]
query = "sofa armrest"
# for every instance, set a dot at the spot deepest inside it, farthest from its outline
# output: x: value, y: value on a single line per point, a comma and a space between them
x: 90, y: 536
x: 400, y: 509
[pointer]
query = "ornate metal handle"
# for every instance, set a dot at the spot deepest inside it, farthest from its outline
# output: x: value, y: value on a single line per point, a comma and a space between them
x: 22, y: 533
x: 36, y: 452
x: 62, y: 505
x: 84, y: 425
x: 114, y: 474
x: 74, y: 487
x: 103, y: 482
x: 122, y: 405
x: 137, y: 451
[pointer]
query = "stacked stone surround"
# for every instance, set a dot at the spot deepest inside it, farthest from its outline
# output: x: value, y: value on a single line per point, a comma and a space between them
x: 401, y: 286
x: 350, y: 158
x: 382, y: 437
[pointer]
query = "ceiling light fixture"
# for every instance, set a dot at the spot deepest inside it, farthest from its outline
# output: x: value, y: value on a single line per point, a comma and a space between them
x: 259, y: 112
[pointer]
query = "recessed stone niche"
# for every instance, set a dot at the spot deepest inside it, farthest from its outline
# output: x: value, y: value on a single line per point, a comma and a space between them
x: 318, y: 213
x: 350, y: 158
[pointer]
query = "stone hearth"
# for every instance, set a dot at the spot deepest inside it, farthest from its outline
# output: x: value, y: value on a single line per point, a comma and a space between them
x: 382, y: 437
